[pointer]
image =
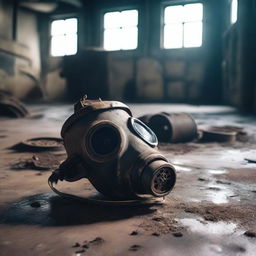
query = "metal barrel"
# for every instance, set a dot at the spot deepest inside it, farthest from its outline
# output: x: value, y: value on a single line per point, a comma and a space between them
x: 173, y: 127
x: 145, y: 118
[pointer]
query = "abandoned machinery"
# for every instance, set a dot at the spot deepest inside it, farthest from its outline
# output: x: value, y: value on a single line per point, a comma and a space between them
x: 116, y: 152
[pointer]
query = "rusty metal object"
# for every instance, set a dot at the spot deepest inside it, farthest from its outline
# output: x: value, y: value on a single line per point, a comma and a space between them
x: 218, y: 134
x: 145, y: 118
x: 10, y: 106
x: 40, y: 161
x: 43, y: 143
x: 250, y: 160
x: 172, y: 127
x: 114, y: 151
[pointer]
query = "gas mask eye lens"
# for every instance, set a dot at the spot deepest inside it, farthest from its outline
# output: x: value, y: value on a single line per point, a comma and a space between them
x: 143, y: 131
x: 104, y: 140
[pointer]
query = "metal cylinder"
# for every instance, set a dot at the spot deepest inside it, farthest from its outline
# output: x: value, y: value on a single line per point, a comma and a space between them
x: 173, y: 127
x: 158, y: 178
x: 145, y: 118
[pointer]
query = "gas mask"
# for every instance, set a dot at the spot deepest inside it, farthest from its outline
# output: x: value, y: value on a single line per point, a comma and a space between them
x: 116, y: 152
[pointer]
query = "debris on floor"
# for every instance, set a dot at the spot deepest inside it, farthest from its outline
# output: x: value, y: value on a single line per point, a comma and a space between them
x: 250, y: 233
x: 251, y: 160
x: 225, y: 133
x: 211, y: 209
x: 135, y: 247
x: 11, y: 106
x: 177, y: 234
x: 134, y: 233
x: 39, y: 144
x: 218, y: 136
x: 44, y: 143
x: 39, y: 161
x: 35, y: 204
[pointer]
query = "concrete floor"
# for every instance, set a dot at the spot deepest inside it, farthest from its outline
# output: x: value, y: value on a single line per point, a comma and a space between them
x: 207, y: 213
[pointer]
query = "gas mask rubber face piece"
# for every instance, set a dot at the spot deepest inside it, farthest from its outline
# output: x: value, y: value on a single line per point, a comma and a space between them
x: 114, y: 151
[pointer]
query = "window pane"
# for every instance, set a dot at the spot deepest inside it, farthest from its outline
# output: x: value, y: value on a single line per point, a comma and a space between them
x: 70, y: 26
x: 70, y: 44
x: 129, y: 38
x: 58, y: 46
x: 233, y: 11
x: 129, y: 18
x: 193, y: 12
x: 57, y: 27
x: 193, y: 34
x: 173, y: 14
x: 173, y: 36
x: 112, y: 38
x: 112, y: 20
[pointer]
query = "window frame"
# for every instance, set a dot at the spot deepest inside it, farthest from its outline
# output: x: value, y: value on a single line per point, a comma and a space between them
x: 231, y: 22
x: 62, y: 17
x: 120, y: 9
x: 162, y: 24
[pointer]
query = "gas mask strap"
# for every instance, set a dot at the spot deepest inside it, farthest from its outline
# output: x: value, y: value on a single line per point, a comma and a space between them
x: 102, y: 201
x: 59, y: 174
x: 65, y: 195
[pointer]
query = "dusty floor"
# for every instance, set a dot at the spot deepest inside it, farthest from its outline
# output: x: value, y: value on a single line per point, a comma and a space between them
x: 211, y: 211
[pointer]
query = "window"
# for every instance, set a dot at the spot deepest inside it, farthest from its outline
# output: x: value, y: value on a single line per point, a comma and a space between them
x: 121, y: 30
x: 64, y: 37
x: 233, y: 14
x: 183, y: 26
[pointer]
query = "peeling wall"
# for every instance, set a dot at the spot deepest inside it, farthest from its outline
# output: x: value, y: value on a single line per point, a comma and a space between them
x: 19, y: 52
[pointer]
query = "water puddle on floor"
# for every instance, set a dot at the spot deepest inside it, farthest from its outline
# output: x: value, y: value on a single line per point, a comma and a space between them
x: 217, y: 171
x: 219, y: 194
x: 180, y: 168
x: 219, y: 191
x: 217, y: 158
x: 210, y: 228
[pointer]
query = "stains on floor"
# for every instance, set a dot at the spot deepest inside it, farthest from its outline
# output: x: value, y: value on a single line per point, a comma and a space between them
x: 39, y: 161
x: 246, y: 175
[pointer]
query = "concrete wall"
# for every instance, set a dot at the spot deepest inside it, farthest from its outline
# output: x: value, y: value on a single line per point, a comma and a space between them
x: 6, y: 19
x: 151, y: 73
x: 239, y: 60
x: 19, y: 51
x: 224, y: 67
x: 121, y: 77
